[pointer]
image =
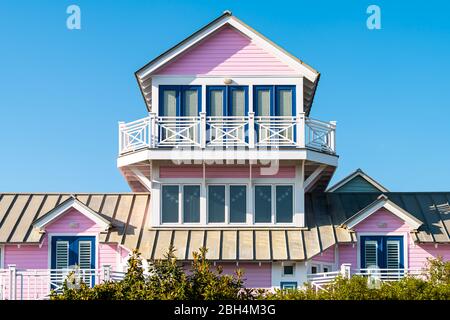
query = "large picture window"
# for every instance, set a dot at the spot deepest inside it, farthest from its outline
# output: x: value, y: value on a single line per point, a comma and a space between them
x: 184, y: 199
x: 274, y: 201
x: 227, y: 203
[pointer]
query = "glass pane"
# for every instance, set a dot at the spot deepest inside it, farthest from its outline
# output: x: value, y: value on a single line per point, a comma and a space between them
x: 216, y: 103
x: 238, y: 203
x: 285, y: 102
x: 216, y: 204
x: 169, y: 103
x: 263, y: 105
x: 237, y: 102
x: 285, y: 208
x: 263, y: 204
x: 169, y: 204
x: 393, y: 254
x: 191, y: 203
x: 371, y: 254
x: 190, y: 107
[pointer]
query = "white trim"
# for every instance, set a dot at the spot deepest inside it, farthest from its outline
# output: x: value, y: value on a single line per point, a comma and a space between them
x: 2, y: 256
x: 64, y: 207
x: 234, y: 22
x: 383, y: 202
x: 355, y: 174
x: 312, y: 179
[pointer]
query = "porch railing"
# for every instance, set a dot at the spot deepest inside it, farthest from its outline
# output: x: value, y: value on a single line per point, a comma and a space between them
x: 320, y: 281
x: 36, y: 284
x: 244, y: 131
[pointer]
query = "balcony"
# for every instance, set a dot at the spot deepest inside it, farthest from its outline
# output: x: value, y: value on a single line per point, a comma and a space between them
x: 248, y: 132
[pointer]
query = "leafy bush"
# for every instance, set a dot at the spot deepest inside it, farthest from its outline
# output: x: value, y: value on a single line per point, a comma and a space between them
x: 168, y: 280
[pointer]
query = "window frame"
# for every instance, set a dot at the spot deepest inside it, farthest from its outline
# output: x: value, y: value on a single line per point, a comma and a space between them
x: 288, y: 285
x: 226, y: 100
x: 273, y: 203
x: 227, y: 203
x: 180, y: 100
x: 284, y: 274
x: 180, y: 204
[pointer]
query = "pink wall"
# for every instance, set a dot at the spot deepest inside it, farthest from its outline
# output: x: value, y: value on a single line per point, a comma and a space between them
x: 73, y: 222
x: 27, y: 256
x: 256, y: 276
x: 384, y: 222
x: 226, y: 52
x: 222, y: 172
x: 328, y: 255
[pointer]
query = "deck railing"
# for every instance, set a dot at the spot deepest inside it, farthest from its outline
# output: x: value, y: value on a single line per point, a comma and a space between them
x: 320, y: 281
x: 36, y: 284
x: 231, y: 131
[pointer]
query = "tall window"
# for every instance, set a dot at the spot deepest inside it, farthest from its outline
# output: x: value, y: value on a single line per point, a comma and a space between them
x: 184, y: 199
x: 227, y: 203
x: 275, y: 201
x: 385, y: 252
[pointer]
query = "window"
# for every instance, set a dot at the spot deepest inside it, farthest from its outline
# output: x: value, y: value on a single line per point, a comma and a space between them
x: 170, y: 204
x: 176, y: 199
x: 385, y: 252
x: 179, y: 101
x: 274, y: 100
x: 226, y: 101
x: 315, y: 269
x: 288, y: 285
x: 238, y: 204
x: 191, y: 203
x: 263, y: 204
x: 216, y: 203
x: 283, y: 199
x: 227, y: 201
x: 288, y: 270
x: 326, y: 268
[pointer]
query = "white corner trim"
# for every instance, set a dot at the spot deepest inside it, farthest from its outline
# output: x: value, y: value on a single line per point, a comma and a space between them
x: 64, y: 207
x: 313, y: 177
x: 354, y: 175
x: 412, y: 221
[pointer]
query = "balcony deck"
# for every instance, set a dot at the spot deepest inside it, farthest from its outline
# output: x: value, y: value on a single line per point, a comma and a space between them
x: 219, y: 133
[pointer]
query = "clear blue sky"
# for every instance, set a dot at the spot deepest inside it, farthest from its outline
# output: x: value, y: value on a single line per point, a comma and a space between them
x: 62, y: 92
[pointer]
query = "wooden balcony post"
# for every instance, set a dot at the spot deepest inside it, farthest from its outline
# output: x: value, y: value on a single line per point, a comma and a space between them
x: 106, y: 271
x: 300, y: 129
x: 251, y: 130
x: 152, y: 130
x: 203, y: 130
x: 12, y: 272
x: 345, y: 270
x: 333, y: 136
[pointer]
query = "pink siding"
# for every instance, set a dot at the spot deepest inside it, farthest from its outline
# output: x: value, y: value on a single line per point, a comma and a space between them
x: 27, y: 256
x: 227, y: 52
x: 73, y: 222
x: 108, y: 255
x: 328, y: 255
x: 347, y: 254
x: 418, y: 254
x: 222, y: 172
x: 255, y: 276
x: 382, y: 221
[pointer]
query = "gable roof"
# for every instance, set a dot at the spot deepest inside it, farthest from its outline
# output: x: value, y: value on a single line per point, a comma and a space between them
x: 61, y: 209
x: 355, y: 180
x: 383, y: 202
x: 311, y: 76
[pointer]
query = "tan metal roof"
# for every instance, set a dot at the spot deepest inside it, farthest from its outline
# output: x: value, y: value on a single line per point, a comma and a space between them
x: 128, y: 214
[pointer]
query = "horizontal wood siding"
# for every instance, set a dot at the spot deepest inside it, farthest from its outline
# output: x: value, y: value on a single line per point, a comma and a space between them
x: 357, y: 184
x: 418, y: 254
x: 73, y: 222
x: 226, y: 52
x: 223, y: 172
x: 347, y: 254
x: 108, y: 255
x: 327, y: 255
x: 255, y: 276
x: 27, y: 256
x: 382, y: 221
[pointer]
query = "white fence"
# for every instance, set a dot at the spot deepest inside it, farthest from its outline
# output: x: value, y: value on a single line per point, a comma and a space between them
x: 231, y: 131
x: 320, y: 281
x: 36, y: 284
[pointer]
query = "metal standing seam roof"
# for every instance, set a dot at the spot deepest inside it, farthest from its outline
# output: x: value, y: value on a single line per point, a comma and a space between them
x: 129, y: 214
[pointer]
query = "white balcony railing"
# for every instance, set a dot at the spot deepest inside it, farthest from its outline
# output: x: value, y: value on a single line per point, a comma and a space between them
x: 320, y: 281
x: 36, y: 284
x: 231, y: 131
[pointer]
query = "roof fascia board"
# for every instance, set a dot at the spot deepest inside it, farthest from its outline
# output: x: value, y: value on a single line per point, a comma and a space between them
x: 64, y: 207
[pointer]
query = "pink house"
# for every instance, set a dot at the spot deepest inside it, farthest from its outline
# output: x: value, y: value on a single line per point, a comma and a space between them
x: 228, y: 158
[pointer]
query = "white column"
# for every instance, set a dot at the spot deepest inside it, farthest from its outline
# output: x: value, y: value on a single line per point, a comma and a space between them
x: 203, y: 194
x: 300, y: 129
x: 203, y: 130
x: 12, y: 272
x: 251, y: 130
x: 299, y: 213
x: 155, y: 198
x: 153, y: 130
